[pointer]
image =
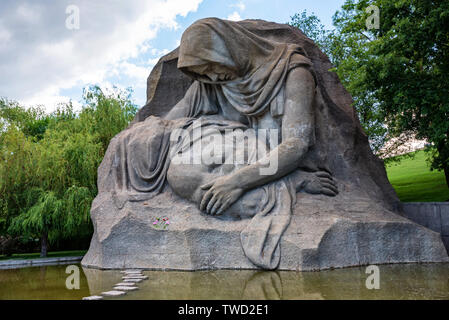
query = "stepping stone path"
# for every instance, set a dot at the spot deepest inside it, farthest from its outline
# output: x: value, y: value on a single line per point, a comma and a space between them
x: 128, y: 284
x: 125, y: 288
x: 113, y: 293
x: 135, y: 277
x: 131, y: 271
x: 93, y: 298
x: 130, y: 278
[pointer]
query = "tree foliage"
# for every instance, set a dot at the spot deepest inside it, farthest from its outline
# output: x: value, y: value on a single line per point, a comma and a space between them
x: 48, y: 163
x: 397, y: 73
x: 346, y: 48
x: 407, y: 69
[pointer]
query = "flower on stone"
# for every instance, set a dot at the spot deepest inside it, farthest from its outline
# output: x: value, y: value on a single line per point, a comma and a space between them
x: 160, y: 223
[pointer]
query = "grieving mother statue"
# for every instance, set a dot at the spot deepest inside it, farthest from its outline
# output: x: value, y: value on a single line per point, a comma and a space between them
x: 242, y: 82
x: 244, y: 138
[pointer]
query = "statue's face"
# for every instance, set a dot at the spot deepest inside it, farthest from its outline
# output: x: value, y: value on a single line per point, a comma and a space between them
x: 215, y: 72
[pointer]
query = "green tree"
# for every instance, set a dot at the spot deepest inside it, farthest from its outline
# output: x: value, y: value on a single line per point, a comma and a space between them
x: 313, y: 28
x: 108, y: 113
x: 397, y: 74
x: 346, y: 48
x: 32, y: 121
x: 55, y: 201
x: 407, y: 68
x: 16, y: 168
x: 48, y: 176
x: 19, y: 129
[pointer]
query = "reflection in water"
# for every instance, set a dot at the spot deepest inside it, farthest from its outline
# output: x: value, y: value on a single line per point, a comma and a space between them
x: 412, y: 281
x: 47, y: 282
x: 263, y: 285
x: 407, y: 281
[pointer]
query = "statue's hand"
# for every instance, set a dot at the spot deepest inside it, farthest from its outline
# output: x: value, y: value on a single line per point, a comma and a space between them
x: 221, y: 195
x: 321, y: 182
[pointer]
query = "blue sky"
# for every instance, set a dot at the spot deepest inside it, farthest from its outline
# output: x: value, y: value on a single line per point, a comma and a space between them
x: 117, y: 42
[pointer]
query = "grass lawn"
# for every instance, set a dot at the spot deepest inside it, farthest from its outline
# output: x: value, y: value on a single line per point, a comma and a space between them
x: 414, y: 182
x: 54, y: 254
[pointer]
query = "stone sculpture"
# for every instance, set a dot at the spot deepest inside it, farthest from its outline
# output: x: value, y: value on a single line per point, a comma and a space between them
x: 251, y: 156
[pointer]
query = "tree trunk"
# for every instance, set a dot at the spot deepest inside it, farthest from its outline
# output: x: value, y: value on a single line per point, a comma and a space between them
x: 44, y: 244
x: 446, y: 173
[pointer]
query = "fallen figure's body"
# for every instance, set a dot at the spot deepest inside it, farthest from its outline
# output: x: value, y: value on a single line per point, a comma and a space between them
x: 191, y: 179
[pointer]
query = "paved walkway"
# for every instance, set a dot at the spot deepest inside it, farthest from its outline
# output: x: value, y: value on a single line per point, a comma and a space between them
x: 20, y: 263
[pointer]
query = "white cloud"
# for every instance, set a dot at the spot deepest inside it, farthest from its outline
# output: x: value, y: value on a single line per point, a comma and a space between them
x: 159, y: 52
x: 49, y: 98
x: 5, y: 36
x: 29, y: 13
x: 43, y: 57
x: 235, y: 16
x: 138, y: 73
x: 240, y: 5
x: 152, y: 62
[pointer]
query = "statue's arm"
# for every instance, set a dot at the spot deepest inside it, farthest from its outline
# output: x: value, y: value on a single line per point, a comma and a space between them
x: 297, y: 138
x: 297, y: 133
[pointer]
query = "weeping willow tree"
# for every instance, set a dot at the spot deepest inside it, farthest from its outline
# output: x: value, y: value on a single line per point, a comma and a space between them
x: 48, y: 175
x: 17, y: 151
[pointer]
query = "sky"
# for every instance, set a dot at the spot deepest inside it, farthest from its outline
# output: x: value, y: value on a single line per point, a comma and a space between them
x: 51, y: 49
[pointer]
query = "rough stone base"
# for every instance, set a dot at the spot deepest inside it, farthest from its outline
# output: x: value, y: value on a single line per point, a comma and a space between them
x: 432, y: 215
x: 324, y: 233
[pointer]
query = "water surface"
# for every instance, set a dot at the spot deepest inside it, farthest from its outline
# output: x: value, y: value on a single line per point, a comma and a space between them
x: 407, y: 281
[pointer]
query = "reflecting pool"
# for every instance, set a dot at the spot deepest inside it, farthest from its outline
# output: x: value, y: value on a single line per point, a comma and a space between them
x: 406, y: 281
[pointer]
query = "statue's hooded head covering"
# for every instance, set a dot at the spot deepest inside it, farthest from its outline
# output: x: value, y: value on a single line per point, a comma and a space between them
x: 260, y: 66
x: 216, y: 41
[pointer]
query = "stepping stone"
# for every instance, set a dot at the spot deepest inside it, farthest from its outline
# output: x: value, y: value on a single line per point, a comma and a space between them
x: 132, y: 280
x: 125, y: 288
x: 93, y: 298
x: 113, y: 293
x: 133, y: 274
x: 131, y: 271
x: 135, y: 277
x: 129, y: 284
